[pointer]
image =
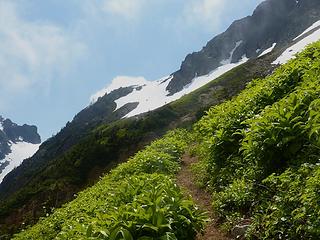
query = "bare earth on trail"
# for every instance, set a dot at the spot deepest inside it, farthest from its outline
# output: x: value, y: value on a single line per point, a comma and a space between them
x: 200, y: 196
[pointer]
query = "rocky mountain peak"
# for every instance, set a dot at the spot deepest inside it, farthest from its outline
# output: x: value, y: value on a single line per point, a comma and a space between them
x: 16, y: 143
x: 272, y: 22
x: 16, y: 133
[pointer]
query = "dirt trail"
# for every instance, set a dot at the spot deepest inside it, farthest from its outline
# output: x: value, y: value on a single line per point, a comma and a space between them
x: 185, y: 180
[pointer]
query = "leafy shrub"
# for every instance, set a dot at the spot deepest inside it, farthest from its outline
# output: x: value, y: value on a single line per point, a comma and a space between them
x: 221, y: 130
x: 291, y: 210
x: 278, y: 135
x: 233, y: 203
x: 137, y: 200
x: 269, y: 131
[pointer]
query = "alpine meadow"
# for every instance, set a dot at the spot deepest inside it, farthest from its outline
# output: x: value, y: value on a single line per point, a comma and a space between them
x: 226, y: 147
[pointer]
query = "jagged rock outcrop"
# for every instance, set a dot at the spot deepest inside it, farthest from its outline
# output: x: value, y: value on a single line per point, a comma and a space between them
x: 273, y: 21
x: 12, y: 134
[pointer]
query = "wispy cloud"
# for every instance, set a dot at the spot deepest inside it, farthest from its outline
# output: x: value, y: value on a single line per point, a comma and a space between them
x: 202, y: 13
x: 126, y: 9
x: 32, y: 53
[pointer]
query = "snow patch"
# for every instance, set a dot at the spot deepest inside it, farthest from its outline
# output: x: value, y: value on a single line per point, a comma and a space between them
x: 19, y: 152
x: 150, y: 97
x: 118, y: 82
x: 290, y: 52
x: 154, y: 94
x: 203, y: 80
x: 1, y: 126
x: 268, y: 50
x: 227, y: 61
x: 313, y: 26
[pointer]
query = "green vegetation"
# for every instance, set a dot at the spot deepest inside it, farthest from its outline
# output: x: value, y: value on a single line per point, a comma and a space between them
x: 260, y: 153
x: 137, y: 200
x: 259, y: 156
x: 91, y: 146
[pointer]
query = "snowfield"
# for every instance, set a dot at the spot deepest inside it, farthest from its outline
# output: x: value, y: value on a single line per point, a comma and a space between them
x: 290, y: 52
x: 267, y: 50
x: 153, y: 94
x: 118, y: 82
x: 19, y: 152
x: 313, y: 26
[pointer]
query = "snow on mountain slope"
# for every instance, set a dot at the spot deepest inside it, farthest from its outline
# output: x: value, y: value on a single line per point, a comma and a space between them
x: 290, y: 52
x: 313, y: 26
x: 272, y: 26
x: 153, y: 94
x: 118, y: 82
x: 267, y: 50
x: 16, y: 144
x: 19, y: 152
x: 227, y: 61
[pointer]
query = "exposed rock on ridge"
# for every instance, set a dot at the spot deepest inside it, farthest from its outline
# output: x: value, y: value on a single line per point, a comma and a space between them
x: 273, y: 21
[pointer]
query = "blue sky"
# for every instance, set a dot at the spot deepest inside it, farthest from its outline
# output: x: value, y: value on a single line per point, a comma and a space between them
x: 55, y: 54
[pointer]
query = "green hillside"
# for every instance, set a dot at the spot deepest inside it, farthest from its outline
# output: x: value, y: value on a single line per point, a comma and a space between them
x: 59, y: 170
x: 259, y: 157
x: 137, y: 200
x: 260, y: 153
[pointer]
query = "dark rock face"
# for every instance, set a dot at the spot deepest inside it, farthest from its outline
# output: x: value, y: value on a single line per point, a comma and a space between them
x: 25, y: 133
x: 12, y: 133
x: 102, y: 111
x: 104, y: 107
x: 4, y: 146
x: 273, y: 21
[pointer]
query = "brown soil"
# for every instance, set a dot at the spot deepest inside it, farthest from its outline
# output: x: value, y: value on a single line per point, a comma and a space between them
x: 202, y: 198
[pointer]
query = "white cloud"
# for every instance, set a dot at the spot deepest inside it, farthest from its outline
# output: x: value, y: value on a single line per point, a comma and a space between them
x: 127, y: 9
x: 202, y: 12
x: 32, y: 53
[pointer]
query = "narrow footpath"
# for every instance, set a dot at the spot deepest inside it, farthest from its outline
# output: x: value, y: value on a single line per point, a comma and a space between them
x: 202, y: 198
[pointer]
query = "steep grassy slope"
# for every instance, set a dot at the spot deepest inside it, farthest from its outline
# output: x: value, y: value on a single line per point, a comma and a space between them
x: 54, y: 181
x: 260, y: 153
x: 259, y: 157
x: 137, y: 200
